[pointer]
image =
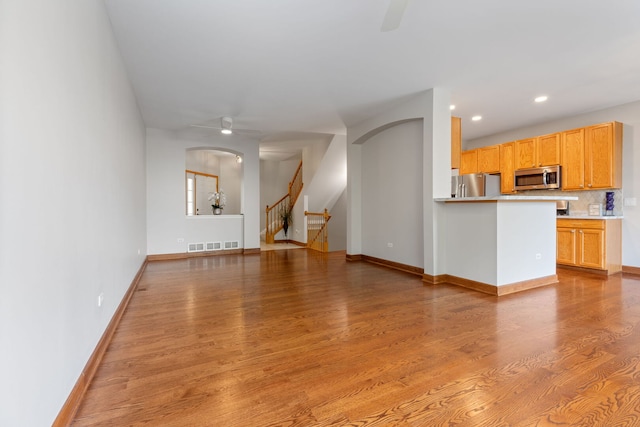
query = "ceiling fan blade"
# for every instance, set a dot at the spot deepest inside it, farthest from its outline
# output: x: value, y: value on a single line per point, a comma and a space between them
x: 394, y: 14
x: 206, y: 127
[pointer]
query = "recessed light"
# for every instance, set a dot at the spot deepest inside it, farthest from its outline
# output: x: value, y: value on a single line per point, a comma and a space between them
x: 476, y: 118
x: 452, y: 107
x: 541, y: 98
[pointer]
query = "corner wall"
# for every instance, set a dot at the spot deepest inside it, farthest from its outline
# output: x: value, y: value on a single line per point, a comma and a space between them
x: 432, y: 108
x: 72, y: 198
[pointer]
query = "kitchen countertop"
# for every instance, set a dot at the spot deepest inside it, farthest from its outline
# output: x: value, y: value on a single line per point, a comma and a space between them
x: 506, y: 199
x: 585, y: 216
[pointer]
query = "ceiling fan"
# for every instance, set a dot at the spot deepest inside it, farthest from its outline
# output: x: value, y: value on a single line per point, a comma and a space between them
x: 394, y: 14
x: 226, y: 127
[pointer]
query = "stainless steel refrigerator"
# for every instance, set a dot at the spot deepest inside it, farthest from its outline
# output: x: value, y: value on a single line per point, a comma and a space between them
x: 475, y: 185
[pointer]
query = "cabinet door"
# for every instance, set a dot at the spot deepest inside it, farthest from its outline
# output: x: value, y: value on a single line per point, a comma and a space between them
x: 591, y: 248
x: 601, y: 168
x: 507, y: 167
x: 456, y: 142
x: 489, y: 159
x: 566, y: 246
x: 573, y: 159
x: 469, y: 162
x: 549, y: 150
x: 526, y: 154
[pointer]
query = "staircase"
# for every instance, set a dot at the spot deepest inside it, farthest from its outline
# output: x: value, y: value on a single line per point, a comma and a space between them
x: 273, y: 213
x: 323, y: 192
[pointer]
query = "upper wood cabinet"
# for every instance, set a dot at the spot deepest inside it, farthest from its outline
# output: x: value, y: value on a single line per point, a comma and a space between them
x: 507, y: 167
x: 525, y: 155
x: 537, y: 152
x: 573, y: 159
x: 489, y: 159
x: 603, y: 156
x: 548, y: 149
x: 469, y: 162
x: 592, y: 157
x: 456, y: 142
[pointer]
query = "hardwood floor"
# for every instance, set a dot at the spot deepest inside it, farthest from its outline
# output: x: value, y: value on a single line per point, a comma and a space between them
x: 301, y: 338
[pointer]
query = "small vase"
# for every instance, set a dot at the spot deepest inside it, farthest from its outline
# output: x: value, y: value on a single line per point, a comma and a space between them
x: 217, y: 211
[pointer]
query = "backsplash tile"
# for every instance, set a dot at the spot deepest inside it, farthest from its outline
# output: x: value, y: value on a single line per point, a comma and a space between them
x: 585, y: 198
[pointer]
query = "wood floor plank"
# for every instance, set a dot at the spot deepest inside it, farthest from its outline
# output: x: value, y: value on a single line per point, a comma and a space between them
x: 300, y: 338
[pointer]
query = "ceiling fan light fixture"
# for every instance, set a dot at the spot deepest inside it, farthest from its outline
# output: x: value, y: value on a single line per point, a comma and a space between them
x: 225, y: 124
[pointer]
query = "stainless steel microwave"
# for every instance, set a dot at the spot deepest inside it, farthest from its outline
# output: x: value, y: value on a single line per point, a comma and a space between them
x: 546, y: 178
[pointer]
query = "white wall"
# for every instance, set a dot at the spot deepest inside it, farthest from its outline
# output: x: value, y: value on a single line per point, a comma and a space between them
x: 338, y: 224
x: 629, y: 115
x: 392, y: 194
x: 166, y: 219
x: 72, y: 198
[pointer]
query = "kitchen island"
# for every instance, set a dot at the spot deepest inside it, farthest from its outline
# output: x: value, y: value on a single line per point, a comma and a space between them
x: 500, y: 245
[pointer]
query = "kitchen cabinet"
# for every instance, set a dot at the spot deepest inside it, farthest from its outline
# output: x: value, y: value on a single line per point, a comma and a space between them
x: 489, y: 159
x: 573, y: 159
x: 603, y: 156
x: 525, y: 155
x: 592, y: 157
x: 548, y: 150
x: 539, y: 151
x: 456, y: 142
x: 590, y: 243
x: 469, y: 162
x: 507, y: 168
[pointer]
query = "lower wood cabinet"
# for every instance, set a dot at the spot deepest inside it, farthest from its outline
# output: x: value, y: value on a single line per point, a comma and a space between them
x: 590, y: 243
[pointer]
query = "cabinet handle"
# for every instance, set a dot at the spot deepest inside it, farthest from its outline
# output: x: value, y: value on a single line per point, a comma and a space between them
x: 589, y: 185
x: 573, y: 231
x: 581, y: 186
x: 580, y: 231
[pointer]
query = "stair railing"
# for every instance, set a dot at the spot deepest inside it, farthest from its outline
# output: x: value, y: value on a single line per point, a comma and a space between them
x: 318, y: 231
x: 273, y: 221
x: 295, y: 186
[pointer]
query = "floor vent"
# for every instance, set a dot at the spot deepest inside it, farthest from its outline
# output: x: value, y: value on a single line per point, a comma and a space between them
x: 195, y: 247
x: 213, y: 246
x: 232, y: 245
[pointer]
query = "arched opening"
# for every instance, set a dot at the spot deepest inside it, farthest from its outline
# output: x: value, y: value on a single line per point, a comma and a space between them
x: 213, y: 177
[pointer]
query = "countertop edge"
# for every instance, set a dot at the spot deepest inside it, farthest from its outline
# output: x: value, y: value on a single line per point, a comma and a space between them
x: 581, y: 217
x: 505, y: 199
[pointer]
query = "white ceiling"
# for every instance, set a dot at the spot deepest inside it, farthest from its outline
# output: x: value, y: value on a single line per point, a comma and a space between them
x: 293, y: 69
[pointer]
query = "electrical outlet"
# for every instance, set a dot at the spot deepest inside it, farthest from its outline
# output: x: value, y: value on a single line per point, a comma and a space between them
x: 180, y: 239
x: 630, y: 201
x: 138, y: 251
x: 100, y: 299
x: 389, y: 245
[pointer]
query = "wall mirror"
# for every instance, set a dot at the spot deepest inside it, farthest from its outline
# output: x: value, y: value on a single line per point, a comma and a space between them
x: 208, y: 172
